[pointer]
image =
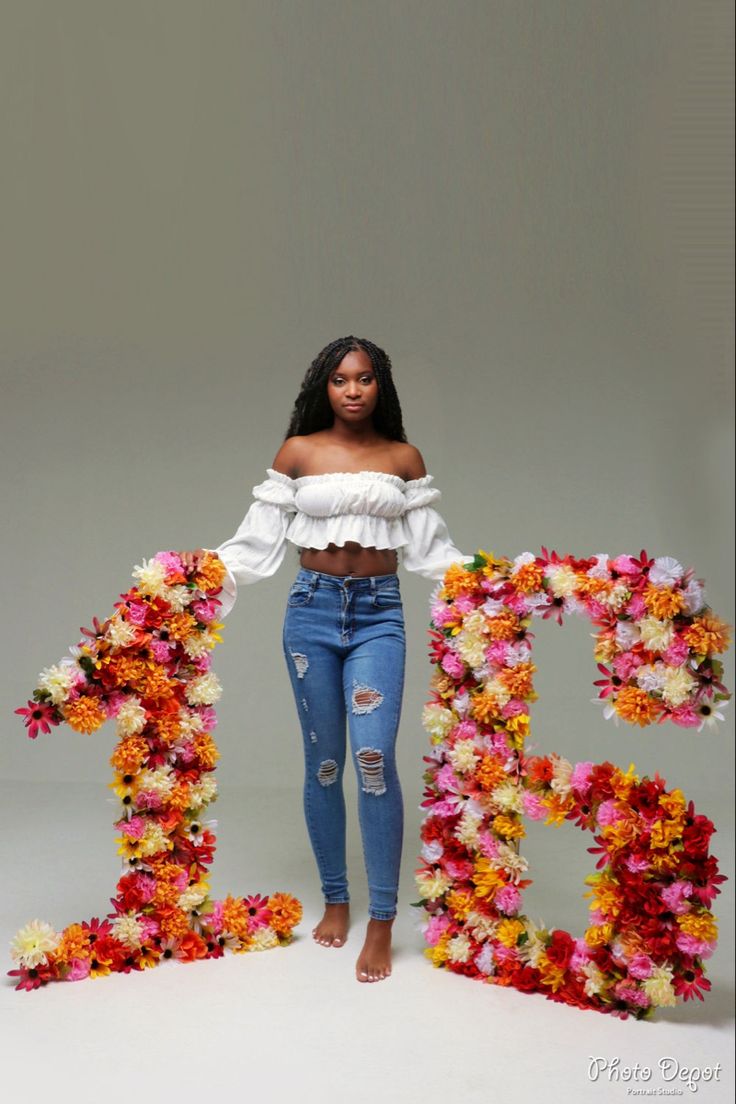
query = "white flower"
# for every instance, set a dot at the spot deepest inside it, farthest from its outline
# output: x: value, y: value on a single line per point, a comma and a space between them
x: 196, y: 645
x: 665, y: 571
x: 658, y: 987
x: 608, y: 708
x: 537, y: 603
x: 509, y: 859
x: 627, y: 634
x: 154, y: 839
x: 119, y: 632
x: 263, y: 939
x: 432, y: 884
x: 130, y: 718
x: 524, y: 558
x: 466, y: 831
x: 500, y: 692
x: 562, y: 580
x: 561, y: 774
x: 127, y: 930
x: 694, y: 597
x: 656, y: 635
x: 150, y: 575
x: 533, y: 950
x: 459, y: 948
x: 178, y: 597
x: 594, y: 984
x: 461, y: 704
x: 481, y: 926
x: 484, y: 960
x: 57, y: 681
x: 471, y: 648
x: 507, y: 796
x: 616, y: 597
x: 191, y: 897
x: 463, y: 756
x: 715, y: 715
x: 33, y: 943
x: 437, y: 720
x: 202, y: 792
x: 678, y: 685
x: 432, y: 851
x: 492, y: 607
x: 204, y: 690
x: 651, y: 677
x: 160, y: 781
x: 189, y: 722
x: 600, y: 568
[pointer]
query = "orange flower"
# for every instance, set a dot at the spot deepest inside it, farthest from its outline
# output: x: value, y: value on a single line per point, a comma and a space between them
x: 485, y: 708
x: 486, y: 878
x: 528, y: 578
x: 85, y: 714
x: 504, y: 627
x: 635, y: 706
x: 518, y: 680
x: 490, y: 772
x: 286, y: 912
x: 166, y: 896
x: 457, y: 580
x: 663, y: 602
x: 708, y: 635
x: 191, y: 947
x: 174, y: 923
x: 181, y: 626
x: 130, y: 755
x: 155, y: 684
x: 442, y: 684
x: 73, y: 944
x: 508, y: 827
x: 606, y: 648
x: 459, y: 904
x: 210, y: 573
x: 235, y: 917
x: 207, y: 752
x: 551, y: 975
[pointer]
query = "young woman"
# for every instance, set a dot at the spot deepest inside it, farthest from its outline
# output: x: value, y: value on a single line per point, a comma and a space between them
x: 349, y: 491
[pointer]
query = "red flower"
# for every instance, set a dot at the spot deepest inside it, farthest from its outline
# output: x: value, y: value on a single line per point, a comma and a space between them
x: 689, y: 984
x: 560, y: 948
x: 38, y: 715
x: 34, y: 977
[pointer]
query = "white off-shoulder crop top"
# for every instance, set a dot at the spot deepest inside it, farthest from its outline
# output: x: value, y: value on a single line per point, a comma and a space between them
x: 373, y: 509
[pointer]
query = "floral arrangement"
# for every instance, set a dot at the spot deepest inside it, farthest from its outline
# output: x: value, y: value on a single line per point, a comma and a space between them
x: 651, y: 927
x: 148, y: 666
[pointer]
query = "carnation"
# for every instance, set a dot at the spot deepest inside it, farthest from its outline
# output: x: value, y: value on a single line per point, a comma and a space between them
x: 204, y: 690
x: 57, y: 682
x: 665, y: 571
x: 119, y: 632
x: 31, y: 945
x: 678, y: 685
x: 127, y: 930
x: 656, y: 635
x: 130, y: 717
x: 659, y: 989
x: 151, y: 577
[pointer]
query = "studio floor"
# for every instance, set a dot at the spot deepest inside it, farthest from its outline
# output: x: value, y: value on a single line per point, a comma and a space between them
x: 293, y: 1023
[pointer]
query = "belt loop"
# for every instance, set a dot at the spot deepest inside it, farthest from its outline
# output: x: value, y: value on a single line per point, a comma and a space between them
x: 373, y: 586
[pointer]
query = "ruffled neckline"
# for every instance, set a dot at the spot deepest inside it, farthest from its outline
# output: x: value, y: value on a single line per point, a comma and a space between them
x: 378, y: 476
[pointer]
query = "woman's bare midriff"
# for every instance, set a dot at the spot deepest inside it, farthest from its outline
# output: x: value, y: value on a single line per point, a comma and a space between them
x: 350, y: 559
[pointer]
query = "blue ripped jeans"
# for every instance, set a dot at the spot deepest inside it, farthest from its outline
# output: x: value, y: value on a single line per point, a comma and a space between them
x: 345, y: 647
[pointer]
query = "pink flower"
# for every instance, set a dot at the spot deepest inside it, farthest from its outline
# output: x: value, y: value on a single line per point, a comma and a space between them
x: 208, y: 718
x: 675, y: 897
x: 518, y: 604
x: 636, y: 607
x: 596, y: 611
x: 580, y: 777
x: 641, y: 966
x: 513, y: 708
x: 112, y: 702
x: 205, y: 611
x: 453, y: 665
x: 508, y: 900
x: 497, y: 652
x: 442, y: 614
x: 488, y: 845
x: 215, y: 917
x: 148, y: 800
x: 436, y: 926
x: 136, y: 613
x: 80, y: 968
x: 149, y: 926
x: 161, y: 650
x: 466, y: 730
x: 632, y: 994
x: 582, y: 954
x: 202, y: 663
x: 685, y: 716
x: 464, y: 604
x: 171, y: 562
x: 608, y: 812
x: 533, y: 805
x: 625, y: 665
x: 677, y: 653
x: 689, y: 945
x: 133, y: 828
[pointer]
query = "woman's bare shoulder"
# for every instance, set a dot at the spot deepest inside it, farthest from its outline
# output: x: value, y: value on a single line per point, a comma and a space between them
x: 409, y: 461
x: 289, y: 460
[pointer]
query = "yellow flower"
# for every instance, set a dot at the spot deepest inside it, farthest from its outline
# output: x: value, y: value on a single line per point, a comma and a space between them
x: 552, y: 975
x: 32, y: 944
x: 508, y: 827
x: 508, y: 932
x: 459, y: 904
x: 701, y: 925
x: 707, y: 635
x: 662, y: 602
x: 438, y: 954
x: 599, y: 934
x: 486, y: 878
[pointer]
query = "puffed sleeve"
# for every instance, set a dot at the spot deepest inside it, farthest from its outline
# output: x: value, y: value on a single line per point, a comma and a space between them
x: 429, y: 549
x: 258, y: 547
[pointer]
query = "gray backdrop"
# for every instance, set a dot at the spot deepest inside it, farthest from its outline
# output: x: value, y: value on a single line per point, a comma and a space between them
x: 528, y: 205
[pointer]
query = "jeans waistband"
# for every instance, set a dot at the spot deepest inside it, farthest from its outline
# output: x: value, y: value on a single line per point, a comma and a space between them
x: 351, y: 582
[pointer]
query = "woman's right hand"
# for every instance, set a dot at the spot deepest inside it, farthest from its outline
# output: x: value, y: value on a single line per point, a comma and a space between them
x: 192, y: 560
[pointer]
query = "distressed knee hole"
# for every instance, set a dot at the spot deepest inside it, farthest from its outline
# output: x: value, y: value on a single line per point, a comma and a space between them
x: 365, y: 698
x: 327, y: 773
x: 370, y: 763
x: 301, y: 664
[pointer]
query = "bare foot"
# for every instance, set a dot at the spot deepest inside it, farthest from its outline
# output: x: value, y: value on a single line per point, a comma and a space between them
x: 374, y: 961
x: 332, y: 930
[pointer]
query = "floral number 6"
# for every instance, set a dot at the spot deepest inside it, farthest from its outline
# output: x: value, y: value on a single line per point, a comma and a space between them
x: 651, y: 926
x: 148, y: 667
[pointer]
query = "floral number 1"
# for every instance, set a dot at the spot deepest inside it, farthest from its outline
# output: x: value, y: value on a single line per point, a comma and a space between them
x: 651, y: 927
x: 148, y: 666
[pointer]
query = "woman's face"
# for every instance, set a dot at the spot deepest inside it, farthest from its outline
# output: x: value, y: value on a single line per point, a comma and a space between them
x: 352, y: 387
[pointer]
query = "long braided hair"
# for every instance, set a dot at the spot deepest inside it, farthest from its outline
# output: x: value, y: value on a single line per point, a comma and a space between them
x: 312, y: 410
